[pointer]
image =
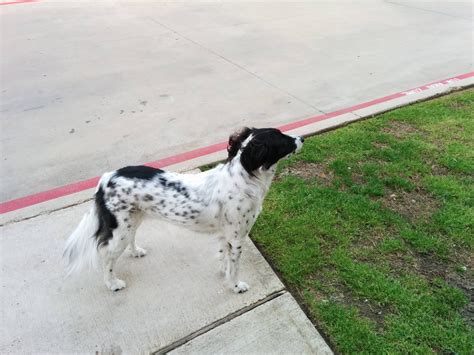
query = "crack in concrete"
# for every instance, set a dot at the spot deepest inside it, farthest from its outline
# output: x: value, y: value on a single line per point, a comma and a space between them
x: 427, y: 10
x: 239, y: 66
x: 45, y: 213
x: 176, y: 344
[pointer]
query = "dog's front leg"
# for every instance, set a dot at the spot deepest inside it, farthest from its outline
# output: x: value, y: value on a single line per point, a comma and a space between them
x: 234, y: 250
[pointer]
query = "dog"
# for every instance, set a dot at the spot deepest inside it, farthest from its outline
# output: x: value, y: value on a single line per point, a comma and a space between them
x: 224, y: 201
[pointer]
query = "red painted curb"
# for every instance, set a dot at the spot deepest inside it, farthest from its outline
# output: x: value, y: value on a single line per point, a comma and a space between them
x: 40, y: 197
x: 17, y: 2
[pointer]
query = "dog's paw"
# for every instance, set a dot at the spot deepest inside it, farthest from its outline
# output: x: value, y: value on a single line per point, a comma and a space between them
x: 240, y: 287
x: 138, y: 252
x: 115, y: 284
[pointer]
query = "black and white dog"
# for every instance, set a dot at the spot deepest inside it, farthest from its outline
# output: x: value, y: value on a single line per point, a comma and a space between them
x: 224, y: 201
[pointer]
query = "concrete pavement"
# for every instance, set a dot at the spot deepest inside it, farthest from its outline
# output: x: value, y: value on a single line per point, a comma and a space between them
x: 91, y: 86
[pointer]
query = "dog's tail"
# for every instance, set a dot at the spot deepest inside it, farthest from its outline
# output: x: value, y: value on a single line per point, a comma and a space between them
x: 81, y: 250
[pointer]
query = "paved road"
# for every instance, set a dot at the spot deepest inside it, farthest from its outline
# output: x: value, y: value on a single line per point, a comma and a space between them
x: 90, y: 86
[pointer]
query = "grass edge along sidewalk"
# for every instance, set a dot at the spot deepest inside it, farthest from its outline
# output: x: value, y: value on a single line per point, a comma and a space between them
x: 371, y: 229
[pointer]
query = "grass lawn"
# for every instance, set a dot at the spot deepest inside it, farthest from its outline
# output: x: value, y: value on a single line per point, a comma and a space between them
x: 371, y: 228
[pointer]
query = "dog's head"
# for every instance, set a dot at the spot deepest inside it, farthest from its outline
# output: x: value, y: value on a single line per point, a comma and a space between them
x: 262, y: 147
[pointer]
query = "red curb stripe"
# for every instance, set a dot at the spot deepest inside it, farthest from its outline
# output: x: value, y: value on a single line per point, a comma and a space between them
x: 307, y: 121
x: 44, y: 196
x: 17, y: 2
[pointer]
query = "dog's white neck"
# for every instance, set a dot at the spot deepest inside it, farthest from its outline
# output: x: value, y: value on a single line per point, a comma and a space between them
x: 259, y: 183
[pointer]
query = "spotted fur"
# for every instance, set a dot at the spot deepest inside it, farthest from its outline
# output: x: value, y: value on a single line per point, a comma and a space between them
x: 224, y: 201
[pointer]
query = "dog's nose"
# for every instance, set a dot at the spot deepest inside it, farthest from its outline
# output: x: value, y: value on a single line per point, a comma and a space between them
x: 302, y: 139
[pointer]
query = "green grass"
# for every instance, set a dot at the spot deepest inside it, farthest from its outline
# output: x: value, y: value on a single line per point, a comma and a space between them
x: 371, y: 227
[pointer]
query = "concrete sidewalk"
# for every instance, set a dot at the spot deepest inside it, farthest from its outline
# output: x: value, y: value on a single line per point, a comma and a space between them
x: 174, y: 300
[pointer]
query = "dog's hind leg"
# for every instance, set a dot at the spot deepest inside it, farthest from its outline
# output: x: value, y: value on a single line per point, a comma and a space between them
x: 110, y: 253
x: 136, y: 220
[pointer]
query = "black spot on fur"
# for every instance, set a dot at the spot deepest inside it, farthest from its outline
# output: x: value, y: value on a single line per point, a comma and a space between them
x: 107, y: 221
x: 148, y: 197
x: 138, y: 172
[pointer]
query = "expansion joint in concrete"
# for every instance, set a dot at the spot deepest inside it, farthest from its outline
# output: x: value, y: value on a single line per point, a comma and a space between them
x: 45, y: 212
x: 218, y: 323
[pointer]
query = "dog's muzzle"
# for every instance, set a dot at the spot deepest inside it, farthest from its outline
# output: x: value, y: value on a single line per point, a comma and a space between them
x: 299, y: 143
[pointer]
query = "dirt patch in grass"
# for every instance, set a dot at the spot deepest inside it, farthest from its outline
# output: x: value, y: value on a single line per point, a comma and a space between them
x: 458, y: 105
x: 415, y: 204
x: 373, y: 312
x: 376, y: 313
x: 437, y: 169
x: 379, y: 145
x: 307, y: 171
x: 466, y: 284
x: 431, y: 268
x: 399, y: 129
x: 342, y: 295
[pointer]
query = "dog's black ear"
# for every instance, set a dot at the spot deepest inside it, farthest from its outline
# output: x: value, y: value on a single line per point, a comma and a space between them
x: 235, y: 141
x: 254, y: 156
